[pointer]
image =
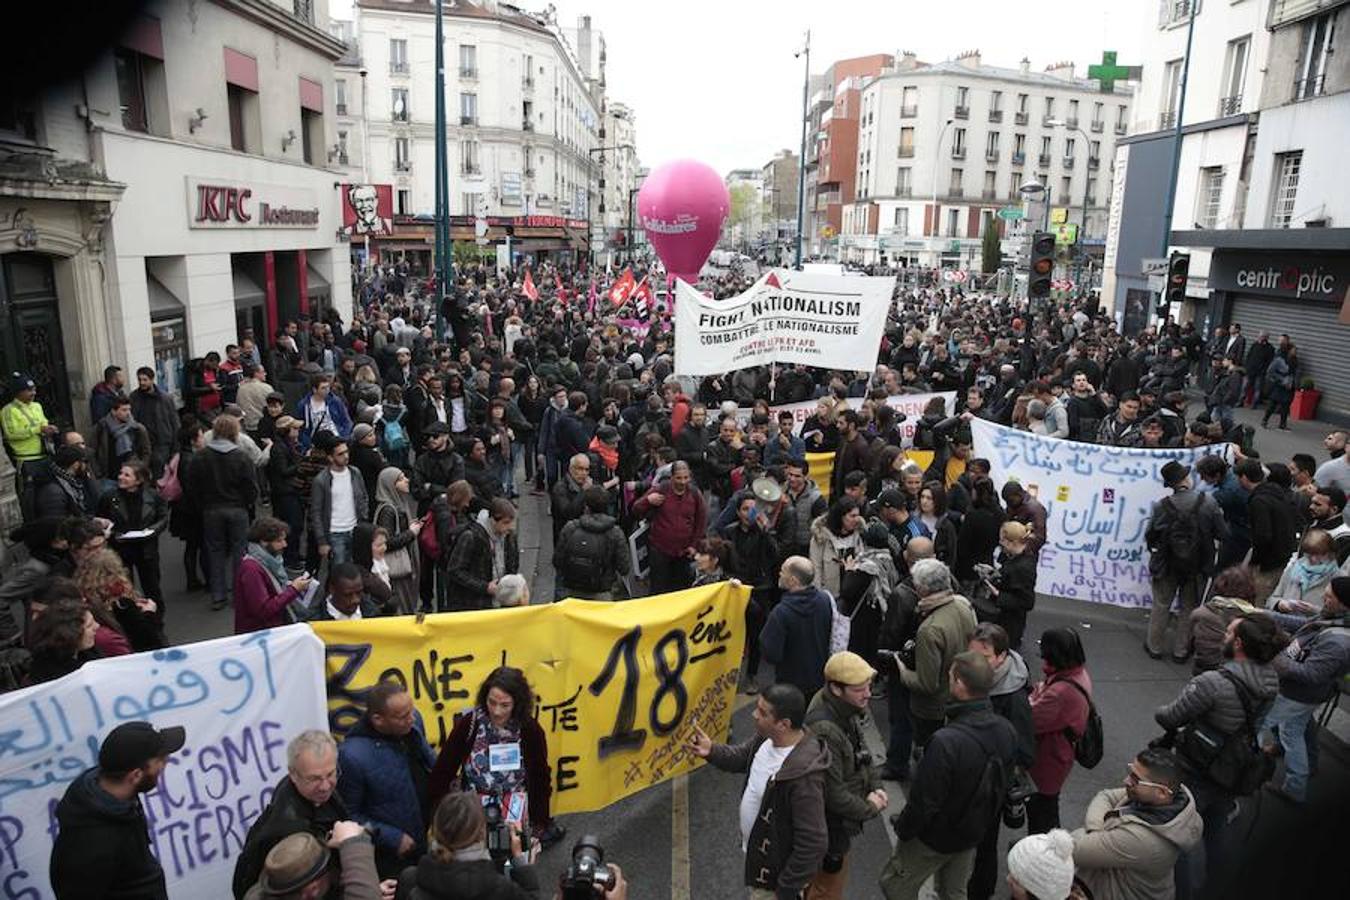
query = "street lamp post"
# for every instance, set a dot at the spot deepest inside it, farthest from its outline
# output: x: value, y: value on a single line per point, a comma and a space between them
x: 632, y: 192
x: 801, y: 162
x: 590, y: 228
x: 1082, y: 234
x: 937, y: 225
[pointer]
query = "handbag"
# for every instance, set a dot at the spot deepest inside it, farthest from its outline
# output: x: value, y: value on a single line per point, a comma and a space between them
x: 1235, y: 762
x: 399, y: 562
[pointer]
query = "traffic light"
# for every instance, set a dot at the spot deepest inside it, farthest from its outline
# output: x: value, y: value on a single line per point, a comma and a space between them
x: 1178, y: 268
x: 1042, y: 264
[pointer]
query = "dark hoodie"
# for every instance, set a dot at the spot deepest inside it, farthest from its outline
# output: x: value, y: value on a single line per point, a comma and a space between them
x: 466, y: 879
x: 610, y: 558
x: 221, y: 476
x: 103, y: 849
x: 796, y: 638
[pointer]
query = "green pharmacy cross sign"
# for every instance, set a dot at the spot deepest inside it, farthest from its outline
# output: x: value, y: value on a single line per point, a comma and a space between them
x: 1108, y: 73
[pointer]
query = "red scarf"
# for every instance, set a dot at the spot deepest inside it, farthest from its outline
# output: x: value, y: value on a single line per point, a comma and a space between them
x: 608, y: 455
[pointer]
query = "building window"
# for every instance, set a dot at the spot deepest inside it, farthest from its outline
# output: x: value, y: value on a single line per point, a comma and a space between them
x: 906, y: 143
x: 953, y: 222
x: 340, y: 96
x: 131, y: 89
x: 962, y: 102
x: 342, y: 156
x: 245, y: 126
x: 1066, y: 189
x: 1234, y: 75
x: 1014, y: 184
x: 954, y: 188
x: 399, y: 104
x: 909, y: 102
x: 1094, y: 152
x: 1097, y: 116
x: 1121, y: 123
x: 311, y: 135
x: 17, y: 120
x: 1073, y: 113
x: 1049, y: 108
x: 527, y: 80
x: 904, y: 186
x: 469, y: 158
x: 1313, y: 52
x: 1022, y: 104
x: 304, y: 10
x: 1171, y: 93
x: 1091, y: 193
x: 468, y: 61
x: 958, y: 142
x: 403, y: 202
x: 995, y: 101
x: 1287, y: 168
x: 1019, y: 144
x: 1070, y: 145
x: 991, y: 144
x: 402, y: 159
x: 1045, y: 147
x: 468, y: 109
x: 398, y: 56
x: 990, y: 185
x: 902, y: 220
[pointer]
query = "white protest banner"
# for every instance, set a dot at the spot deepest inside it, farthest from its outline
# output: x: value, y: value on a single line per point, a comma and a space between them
x: 1098, y: 501
x: 831, y: 321
x: 911, y: 405
x: 241, y: 699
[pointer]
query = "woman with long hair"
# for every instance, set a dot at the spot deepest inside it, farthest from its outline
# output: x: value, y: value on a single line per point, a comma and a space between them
x: 105, y: 584
x: 498, y: 439
x: 836, y: 543
x: 138, y: 515
x: 533, y: 402
x: 185, y: 516
x: 61, y: 639
x: 503, y: 714
x: 979, y: 531
x: 932, y: 520
x: 396, y: 515
x: 458, y: 865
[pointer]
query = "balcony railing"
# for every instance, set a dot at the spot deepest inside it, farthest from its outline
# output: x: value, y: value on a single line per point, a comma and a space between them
x: 904, y: 190
x: 1307, y: 88
x: 1071, y: 122
x: 398, y: 67
x: 989, y: 193
x: 399, y: 116
x: 906, y: 152
x: 468, y: 120
x: 958, y: 153
x: 341, y: 108
x: 1168, y: 119
x: 995, y: 115
x: 961, y: 112
x: 403, y: 165
x: 1230, y: 106
x: 991, y: 156
x: 470, y: 168
x: 527, y: 83
x: 1094, y: 162
x: 1044, y: 159
x: 1121, y: 127
x: 343, y: 159
x: 1020, y: 118
x: 529, y: 173
x: 527, y: 125
x: 908, y: 112
x: 1091, y: 200
x: 1048, y: 121
x: 956, y: 191
x: 469, y: 72
x: 1018, y: 159
x: 1068, y: 162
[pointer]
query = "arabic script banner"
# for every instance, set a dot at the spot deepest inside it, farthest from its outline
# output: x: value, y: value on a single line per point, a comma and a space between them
x: 241, y: 700
x: 1098, y: 501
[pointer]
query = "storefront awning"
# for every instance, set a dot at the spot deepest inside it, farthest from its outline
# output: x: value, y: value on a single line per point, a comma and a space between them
x: 316, y: 284
x: 246, y: 290
x: 1265, y: 238
x: 164, y: 304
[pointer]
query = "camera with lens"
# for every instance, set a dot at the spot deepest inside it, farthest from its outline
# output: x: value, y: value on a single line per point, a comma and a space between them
x: 498, y: 831
x: 907, y: 653
x: 1015, y: 803
x: 587, y: 876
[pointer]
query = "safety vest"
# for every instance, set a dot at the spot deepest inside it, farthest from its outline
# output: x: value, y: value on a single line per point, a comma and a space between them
x: 23, y: 424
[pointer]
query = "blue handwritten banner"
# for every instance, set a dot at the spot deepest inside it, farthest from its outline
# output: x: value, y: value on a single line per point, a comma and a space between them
x: 241, y: 700
x: 1098, y: 501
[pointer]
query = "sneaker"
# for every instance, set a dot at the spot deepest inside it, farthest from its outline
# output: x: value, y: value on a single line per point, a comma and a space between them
x: 218, y: 605
x: 1152, y: 654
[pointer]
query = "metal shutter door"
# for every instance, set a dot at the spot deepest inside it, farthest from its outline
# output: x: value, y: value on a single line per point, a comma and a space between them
x: 1322, y: 342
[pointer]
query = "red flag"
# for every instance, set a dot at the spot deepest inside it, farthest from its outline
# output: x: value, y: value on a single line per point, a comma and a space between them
x: 528, y: 288
x: 562, y: 291
x: 644, y: 301
x: 772, y: 281
x: 623, y: 288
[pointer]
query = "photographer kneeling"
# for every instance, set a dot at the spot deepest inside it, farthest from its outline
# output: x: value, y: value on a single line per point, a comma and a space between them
x: 459, y: 866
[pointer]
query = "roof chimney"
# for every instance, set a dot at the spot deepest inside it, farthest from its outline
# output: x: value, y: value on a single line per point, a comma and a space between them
x: 969, y: 60
x: 1063, y: 69
x: 1025, y: 65
x: 908, y: 60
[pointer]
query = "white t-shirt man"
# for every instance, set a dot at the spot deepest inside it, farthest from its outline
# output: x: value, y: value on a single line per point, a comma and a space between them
x: 344, y: 503
x: 768, y: 760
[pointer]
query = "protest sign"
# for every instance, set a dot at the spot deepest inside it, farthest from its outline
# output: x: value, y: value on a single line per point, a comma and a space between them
x: 835, y: 322
x: 618, y: 686
x: 911, y: 405
x: 241, y: 699
x: 1098, y: 501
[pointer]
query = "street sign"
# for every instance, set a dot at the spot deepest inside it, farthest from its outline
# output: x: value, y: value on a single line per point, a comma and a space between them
x: 1066, y: 233
x: 1011, y: 213
x: 1058, y: 215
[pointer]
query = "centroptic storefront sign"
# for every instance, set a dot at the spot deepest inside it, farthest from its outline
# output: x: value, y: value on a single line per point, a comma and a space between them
x: 1296, y: 276
x: 221, y: 203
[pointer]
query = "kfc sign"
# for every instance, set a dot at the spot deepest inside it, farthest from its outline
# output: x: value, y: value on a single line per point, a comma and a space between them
x: 221, y: 204
x: 367, y: 209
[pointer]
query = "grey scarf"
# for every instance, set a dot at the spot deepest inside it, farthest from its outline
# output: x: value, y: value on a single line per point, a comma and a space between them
x: 123, y: 445
x: 271, y: 563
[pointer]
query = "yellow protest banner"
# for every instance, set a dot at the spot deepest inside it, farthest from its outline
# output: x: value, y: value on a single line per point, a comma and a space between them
x: 618, y: 686
x: 820, y: 465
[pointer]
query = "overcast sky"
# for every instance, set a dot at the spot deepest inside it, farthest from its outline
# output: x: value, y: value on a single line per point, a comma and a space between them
x: 716, y: 81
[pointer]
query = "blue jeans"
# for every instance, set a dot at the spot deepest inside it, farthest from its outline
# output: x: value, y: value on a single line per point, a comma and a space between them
x: 340, y: 547
x: 1290, y: 718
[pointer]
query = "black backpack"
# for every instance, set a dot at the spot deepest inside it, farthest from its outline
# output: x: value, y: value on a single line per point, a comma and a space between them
x: 586, y: 556
x: 981, y: 809
x: 1235, y: 762
x: 1088, y: 746
x: 1182, y: 543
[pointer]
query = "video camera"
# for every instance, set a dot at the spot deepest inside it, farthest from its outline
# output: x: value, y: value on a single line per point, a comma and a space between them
x: 587, y: 876
x: 499, y: 831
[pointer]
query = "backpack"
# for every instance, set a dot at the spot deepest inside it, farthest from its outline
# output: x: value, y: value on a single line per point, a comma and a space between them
x: 428, y: 541
x: 1088, y: 746
x: 981, y: 809
x: 841, y: 627
x: 1182, y: 543
x: 1235, y: 762
x: 586, y: 553
x: 395, y: 438
x: 170, y: 488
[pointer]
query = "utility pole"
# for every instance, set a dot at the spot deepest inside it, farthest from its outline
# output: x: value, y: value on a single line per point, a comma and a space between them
x: 1176, y: 136
x: 801, y: 168
x: 443, y: 266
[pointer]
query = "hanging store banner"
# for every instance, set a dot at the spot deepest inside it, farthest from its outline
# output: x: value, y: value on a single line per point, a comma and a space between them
x: 618, y: 686
x: 240, y: 699
x: 830, y: 321
x: 1097, y: 500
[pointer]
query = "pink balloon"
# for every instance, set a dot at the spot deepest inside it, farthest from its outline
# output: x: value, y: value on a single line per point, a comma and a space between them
x: 682, y: 206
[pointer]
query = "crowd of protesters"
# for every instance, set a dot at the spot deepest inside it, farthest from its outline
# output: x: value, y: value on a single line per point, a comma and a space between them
x: 349, y: 469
